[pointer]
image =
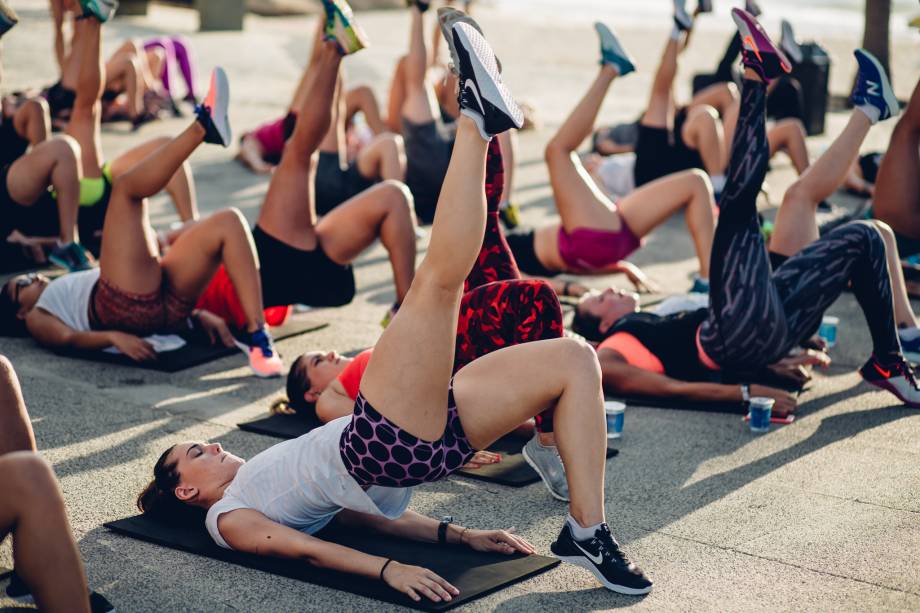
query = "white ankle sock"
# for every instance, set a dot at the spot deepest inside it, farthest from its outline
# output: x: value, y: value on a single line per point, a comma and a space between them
x: 908, y: 334
x: 675, y: 33
x: 581, y: 534
x: 871, y: 112
x: 718, y: 182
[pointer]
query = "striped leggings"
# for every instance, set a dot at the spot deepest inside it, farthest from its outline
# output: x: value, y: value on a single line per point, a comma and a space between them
x: 757, y: 315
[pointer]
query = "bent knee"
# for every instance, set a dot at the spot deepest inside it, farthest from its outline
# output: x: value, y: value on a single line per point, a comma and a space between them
x: 26, y: 475
x: 396, y: 195
x: 579, y: 356
x: 7, y: 372
x: 63, y: 148
x: 230, y: 217
x: 733, y: 90
x: 35, y: 108
x: 798, y: 195
x: 885, y: 230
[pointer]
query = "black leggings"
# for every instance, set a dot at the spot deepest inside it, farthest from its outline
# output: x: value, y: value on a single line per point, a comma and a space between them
x: 756, y: 316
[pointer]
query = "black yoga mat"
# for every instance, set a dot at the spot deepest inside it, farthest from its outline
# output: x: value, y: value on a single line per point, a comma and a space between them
x: 474, y: 574
x: 513, y: 470
x: 195, y: 352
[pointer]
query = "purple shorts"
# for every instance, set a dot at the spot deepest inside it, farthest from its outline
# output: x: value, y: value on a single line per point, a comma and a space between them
x: 376, y: 451
x: 589, y: 250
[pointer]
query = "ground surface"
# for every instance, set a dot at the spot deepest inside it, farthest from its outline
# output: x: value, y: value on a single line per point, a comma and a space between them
x: 823, y: 514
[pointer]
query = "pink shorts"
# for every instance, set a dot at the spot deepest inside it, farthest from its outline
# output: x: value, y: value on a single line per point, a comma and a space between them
x: 589, y: 250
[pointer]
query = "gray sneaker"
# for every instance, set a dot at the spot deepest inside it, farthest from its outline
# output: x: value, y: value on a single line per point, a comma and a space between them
x: 547, y: 463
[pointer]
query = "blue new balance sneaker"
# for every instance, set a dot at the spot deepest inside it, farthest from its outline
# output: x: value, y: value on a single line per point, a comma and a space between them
x: 612, y: 52
x: 872, y: 86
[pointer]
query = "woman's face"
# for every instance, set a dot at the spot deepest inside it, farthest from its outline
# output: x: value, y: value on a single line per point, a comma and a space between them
x: 609, y: 305
x: 204, y: 469
x: 322, y: 369
x: 26, y: 289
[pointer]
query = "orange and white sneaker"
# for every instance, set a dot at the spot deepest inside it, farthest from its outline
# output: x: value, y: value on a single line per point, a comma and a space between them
x: 263, y: 359
x: 342, y: 27
x: 212, y: 112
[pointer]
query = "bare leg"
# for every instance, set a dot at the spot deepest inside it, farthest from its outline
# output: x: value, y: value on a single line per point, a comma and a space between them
x: 789, y: 135
x: 384, y: 211
x: 289, y: 210
x: 383, y: 158
x: 660, y: 110
x: 897, y: 188
x: 652, y: 204
x: 397, y: 97
x: 32, y: 121
x: 525, y: 379
x: 130, y: 258
x: 725, y: 99
x: 580, y: 202
x: 181, y: 187
x: 44, y: 552
x: 903, y: 311
x: 703, y: 131
x: 427, y: 320
x: 55, y: 162
x: 334, y: 140
x: 15, y: 428
x: 420, y: 105
x: 84, y: 124
x: 362, y: 99
x: 796, y: 225
x: 508, y: 142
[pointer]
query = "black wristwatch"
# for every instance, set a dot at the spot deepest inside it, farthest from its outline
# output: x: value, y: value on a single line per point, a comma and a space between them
x: 442, y: 529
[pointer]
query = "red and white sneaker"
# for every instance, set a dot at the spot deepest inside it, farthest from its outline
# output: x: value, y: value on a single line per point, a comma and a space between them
x: 896, y: 377
x: 263, y: 358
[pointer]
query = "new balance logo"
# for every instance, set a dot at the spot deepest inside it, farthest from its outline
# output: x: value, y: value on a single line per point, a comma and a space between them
x: 873, y: 88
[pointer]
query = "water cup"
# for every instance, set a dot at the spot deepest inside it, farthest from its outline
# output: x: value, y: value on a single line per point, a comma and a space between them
x: 759, y: 411
x: 828, y: 330
x: 615, y: 412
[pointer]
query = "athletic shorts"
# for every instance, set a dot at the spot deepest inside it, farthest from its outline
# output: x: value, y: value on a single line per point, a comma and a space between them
x: 294, y: 276
x: 376, y: 451
x: 589, y: 250
x: 334, y: 185
x: 428, y: 149
x: 12, y: 146
x: 524, y: 251
x: 111, y: 308
x: 660, y: 152
x: 37, y: 219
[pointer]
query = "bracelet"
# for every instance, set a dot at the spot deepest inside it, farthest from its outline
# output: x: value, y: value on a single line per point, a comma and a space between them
x: 462, y: 533
x: 385, y: 564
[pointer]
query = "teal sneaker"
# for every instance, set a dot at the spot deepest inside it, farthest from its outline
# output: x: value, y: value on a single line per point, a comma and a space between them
x: 612, y: 52
x: 103, y: 10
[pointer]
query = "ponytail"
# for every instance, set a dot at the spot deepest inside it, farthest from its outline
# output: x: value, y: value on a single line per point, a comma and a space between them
x: 297, y: 385
x: 158, y: 500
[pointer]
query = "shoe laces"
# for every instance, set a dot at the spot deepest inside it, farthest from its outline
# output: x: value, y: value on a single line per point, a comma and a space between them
x: 608, y: 546
x: 908, y: 373
x: 260, y: 339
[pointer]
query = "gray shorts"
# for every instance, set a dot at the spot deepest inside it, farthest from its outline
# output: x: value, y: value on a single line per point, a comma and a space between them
x: 333, y: 186
x: 428, y: 149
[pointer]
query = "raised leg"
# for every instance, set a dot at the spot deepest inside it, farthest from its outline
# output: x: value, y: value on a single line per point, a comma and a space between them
x: 897, y: 188
x: 397, y: 97
x: 724, y: 98
x: 703, y: 131
x: 362, y: 99
x: 185, y: 59
x: 84, y: 124
x: 660, y: 110
x: 419, y: 105
x: 384, y: 158
x: 181, y: 187
x: 32, y: 121
x: 427, y: 320
x: 788, y: 135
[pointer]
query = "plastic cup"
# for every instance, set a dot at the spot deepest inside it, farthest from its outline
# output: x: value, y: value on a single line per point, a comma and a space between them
x: 759, y: 411
x: 828, y: 330
x: 615, y: 412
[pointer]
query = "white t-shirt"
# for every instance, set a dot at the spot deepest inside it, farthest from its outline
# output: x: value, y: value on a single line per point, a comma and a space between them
x: 617, y: 172
x: 67, y: 298
x: 302, y: 483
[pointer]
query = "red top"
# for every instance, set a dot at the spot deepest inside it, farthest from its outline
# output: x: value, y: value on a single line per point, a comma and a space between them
x: 350, y: 378
x: 220, y: 298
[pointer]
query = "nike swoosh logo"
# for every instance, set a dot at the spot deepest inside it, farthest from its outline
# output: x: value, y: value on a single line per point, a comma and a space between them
x: 881, y: 371
x: 471, y: 85
x: 750, y: 42
x: 597, y: 559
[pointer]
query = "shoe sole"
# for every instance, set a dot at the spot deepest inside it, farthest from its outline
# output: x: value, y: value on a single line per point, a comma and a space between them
x: 887, y: 93
x: 885, y: 386
x: 753, y: 34
x: 221, y: 88
x: 533, y: 465
x: 613, y: 587
x: 485, y: 68
x: 345, y: 29
x: 447, y: 18
x: 245, y: 349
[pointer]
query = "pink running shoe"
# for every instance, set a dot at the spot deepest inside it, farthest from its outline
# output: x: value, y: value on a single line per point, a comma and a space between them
x: 759, y: 52
x: 263, y: 359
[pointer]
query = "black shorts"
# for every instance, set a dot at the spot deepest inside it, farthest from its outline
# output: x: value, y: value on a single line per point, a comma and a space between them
x: 37, y: 219
x: 334, y: 185
x: 428, y: 149
x: 660, y: 152
x: 294, y: 276
x: 522, y: 248
x: 12, y: 145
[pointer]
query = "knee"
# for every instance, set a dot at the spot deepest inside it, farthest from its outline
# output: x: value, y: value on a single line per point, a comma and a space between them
x: 397, y: 198
x: 64, y: 149
x: 27, y: 477
x: 391, y: 144
x: 708, y: 115
x: 580, y: 358
x: 7, y: 372
x: 555, y: 151
x: 363, y: 93
x: 230, y: 219
x: 35, y: 109
x: 797, y: 195
x: 732, y: 91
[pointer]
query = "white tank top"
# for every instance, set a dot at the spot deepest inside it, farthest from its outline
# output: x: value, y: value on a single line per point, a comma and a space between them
x: 67, y: 298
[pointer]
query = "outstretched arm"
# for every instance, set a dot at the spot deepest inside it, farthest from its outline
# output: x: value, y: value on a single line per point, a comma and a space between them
x: 50, y: 331
x: 252, y: 532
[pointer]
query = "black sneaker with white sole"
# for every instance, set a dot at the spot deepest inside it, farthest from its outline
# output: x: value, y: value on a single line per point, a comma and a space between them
x: 482, y: 97
x: 602, y: 555
x: 212, y: 112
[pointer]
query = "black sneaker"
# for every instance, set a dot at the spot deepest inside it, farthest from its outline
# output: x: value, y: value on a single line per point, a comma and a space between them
x: 20, y: 592
x: 212, y: 112
x: 483, y: 97
x: 602, y: 555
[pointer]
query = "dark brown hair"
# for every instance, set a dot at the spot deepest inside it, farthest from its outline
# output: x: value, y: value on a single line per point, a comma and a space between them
x: 10, y: 323
x: 587, y: 325
x: 298, y: 384
x: 158, y: 500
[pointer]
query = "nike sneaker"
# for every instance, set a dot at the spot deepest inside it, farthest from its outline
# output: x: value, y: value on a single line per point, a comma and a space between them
x: 612, y: 52
x: 758, y: 52
x: 212, y: 112
x: 546, y: 462
x: 682, y: 18
x: 896, y: 377
x: 872, y: 86
x: 482, y: 97
x: 704, y: 6
x: 602, y: 555
x: 103, y: 10
x: 8, y: 17
x: 788, y: 44
x: 342, y: 27
x: 263, y: 359
x: 447, y: 17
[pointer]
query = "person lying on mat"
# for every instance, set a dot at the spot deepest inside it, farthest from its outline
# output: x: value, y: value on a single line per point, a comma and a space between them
x: 593, y: 234
x: 46, y: 561
x: 362, y: 467
x: 135, y: 292
x: 754, y: 319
